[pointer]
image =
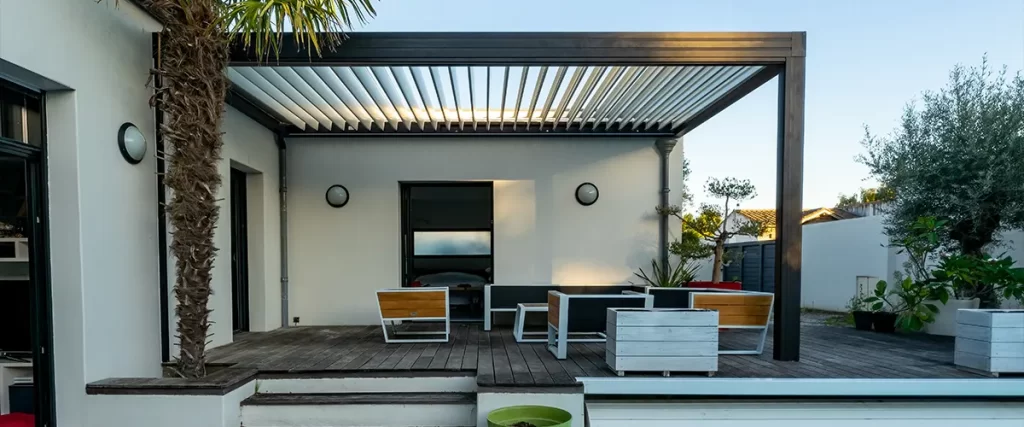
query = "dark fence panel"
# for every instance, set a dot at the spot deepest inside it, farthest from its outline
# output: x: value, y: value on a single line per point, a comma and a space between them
x: 755, y: 268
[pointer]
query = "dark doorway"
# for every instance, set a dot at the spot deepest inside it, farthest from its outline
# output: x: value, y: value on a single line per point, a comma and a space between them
x: 26, y: 330
x: 447, y: 241
x: 239, y: 253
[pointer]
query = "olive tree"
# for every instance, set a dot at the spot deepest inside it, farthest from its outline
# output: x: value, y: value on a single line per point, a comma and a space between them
x: 959, y: 157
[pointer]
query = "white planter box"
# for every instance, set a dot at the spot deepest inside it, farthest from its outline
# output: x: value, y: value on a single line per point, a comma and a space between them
x: 945, y: 319
x: 662, y: 340
x: 990, y: 341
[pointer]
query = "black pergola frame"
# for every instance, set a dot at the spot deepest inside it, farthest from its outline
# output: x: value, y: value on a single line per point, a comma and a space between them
x: 782, y: 54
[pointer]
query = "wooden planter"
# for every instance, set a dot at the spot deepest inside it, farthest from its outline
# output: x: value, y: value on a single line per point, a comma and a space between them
x: 662, y: 340
x: 990, y: 341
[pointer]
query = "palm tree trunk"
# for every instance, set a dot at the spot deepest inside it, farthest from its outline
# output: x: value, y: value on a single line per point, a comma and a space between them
x: 193, y: 57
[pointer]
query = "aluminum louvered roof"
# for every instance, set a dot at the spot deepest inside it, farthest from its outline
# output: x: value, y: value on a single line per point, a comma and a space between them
x: 583, y: 83
x: 617, y: 99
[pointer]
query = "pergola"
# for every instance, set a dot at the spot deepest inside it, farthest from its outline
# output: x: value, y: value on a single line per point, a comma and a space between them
x: 659, y: 85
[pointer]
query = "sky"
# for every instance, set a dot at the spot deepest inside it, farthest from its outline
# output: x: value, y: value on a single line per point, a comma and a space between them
x: 866, y: 60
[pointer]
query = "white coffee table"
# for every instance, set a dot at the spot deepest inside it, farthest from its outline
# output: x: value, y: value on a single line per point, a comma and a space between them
x: 521, y: 311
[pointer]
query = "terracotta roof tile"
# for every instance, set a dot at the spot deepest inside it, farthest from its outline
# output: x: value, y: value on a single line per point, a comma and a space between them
x: 767, y: 216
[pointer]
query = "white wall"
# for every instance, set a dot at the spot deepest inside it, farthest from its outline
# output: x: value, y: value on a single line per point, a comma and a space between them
x: 103, y: 251
x: 338, y: 257
x: 805, y: 414
x: 167, y: 410
x: 250, y: 148
x: 834, y: 254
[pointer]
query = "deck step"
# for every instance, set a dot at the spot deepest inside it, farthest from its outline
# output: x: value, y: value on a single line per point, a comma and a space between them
x: 393, y: 382
x: 359, y: 409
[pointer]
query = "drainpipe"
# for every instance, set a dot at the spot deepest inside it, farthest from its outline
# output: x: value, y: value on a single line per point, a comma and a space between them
x: 161, y: 213
x: 664, y: 146
x: 282, y: 171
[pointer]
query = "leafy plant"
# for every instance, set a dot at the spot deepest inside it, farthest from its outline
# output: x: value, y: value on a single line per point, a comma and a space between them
x: 921, y: 244
x: 690, y: 245
x: 970, y: 276
x: 673, y: 277
x: 857, y: 303
x: 907, y: 301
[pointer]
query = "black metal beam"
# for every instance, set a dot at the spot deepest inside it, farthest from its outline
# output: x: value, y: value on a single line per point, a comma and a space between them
x: 788, y: 207
x: 246, y: 106
x: 749, y: 85
x: 717, y: 48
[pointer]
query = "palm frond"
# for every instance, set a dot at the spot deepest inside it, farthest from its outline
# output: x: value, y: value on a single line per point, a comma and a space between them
x: 317, y: 24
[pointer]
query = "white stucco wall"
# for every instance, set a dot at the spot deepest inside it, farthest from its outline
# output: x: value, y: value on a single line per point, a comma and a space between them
x: 167, y: 410
x: 251, y: 148
x: 338, y: 257
x: 834, y: 254
x: 103, y: 215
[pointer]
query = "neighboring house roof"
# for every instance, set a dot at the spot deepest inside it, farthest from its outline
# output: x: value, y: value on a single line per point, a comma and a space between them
x: 767, y: 216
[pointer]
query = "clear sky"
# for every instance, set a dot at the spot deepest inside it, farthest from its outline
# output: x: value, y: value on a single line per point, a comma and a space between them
x: 865, y: 60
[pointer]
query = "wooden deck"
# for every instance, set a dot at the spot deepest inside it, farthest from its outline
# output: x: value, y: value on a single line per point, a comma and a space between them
x: 497, y: 360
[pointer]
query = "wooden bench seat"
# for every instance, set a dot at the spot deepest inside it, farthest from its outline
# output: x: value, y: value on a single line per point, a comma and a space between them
x: 410, y: 305
x: 738, y: 310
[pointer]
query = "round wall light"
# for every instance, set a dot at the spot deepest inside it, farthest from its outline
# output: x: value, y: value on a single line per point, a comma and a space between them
x: 337, y: 196
x: 132, y: 143
x: 587, y: 194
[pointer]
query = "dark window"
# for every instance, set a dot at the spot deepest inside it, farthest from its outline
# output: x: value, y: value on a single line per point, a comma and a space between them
x: 20, y: 118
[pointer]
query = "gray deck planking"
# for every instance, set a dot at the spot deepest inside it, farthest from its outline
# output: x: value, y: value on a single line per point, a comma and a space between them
x: 499, y: 361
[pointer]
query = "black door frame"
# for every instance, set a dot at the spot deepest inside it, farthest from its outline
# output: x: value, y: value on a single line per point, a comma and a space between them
x: 239, y: 252
x: 39, y: 263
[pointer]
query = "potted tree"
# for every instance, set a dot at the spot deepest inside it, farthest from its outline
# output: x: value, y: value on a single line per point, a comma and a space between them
x: 715, y: 224
x: 862, y: 316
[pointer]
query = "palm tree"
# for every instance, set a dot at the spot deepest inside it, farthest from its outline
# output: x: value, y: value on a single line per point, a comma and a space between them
x: 193, y: 56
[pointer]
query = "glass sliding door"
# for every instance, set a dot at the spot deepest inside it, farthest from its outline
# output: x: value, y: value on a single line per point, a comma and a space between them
x: 447, y: 241
x: 26, y: 333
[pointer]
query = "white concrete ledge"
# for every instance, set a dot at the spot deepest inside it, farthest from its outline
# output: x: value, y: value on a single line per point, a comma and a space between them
x: 834, y: 387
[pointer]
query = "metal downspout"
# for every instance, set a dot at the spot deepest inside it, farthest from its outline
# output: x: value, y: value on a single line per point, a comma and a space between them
x: 664, y: 146
x: 282, y: 170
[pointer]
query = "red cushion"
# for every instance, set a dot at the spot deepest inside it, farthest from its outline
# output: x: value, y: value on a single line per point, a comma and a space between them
x: 17, y: 420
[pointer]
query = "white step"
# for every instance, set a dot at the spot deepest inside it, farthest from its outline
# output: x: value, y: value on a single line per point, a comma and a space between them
x: 452, y: 383
x: 360, y: 409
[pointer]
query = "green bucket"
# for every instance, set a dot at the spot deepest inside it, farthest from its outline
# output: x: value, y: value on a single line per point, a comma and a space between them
x: 540, y: 416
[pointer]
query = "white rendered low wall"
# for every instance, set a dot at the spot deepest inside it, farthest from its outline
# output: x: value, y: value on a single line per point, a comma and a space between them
x: 150, y: 410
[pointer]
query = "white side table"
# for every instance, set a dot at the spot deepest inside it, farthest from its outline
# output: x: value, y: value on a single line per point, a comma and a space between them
x: 521, y: 311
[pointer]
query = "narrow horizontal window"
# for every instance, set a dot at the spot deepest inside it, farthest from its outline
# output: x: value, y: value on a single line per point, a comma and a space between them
x: 451, y: 243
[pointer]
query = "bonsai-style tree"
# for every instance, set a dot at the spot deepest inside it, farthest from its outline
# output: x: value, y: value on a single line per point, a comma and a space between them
x: 192, y: 86
x: 959, y: 158
x: 712, y: 226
